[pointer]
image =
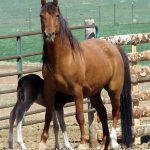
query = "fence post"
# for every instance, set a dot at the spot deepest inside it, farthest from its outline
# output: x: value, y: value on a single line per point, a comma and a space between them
x: 19, y: 60
x: 137, y: 140
x: 90, y: 33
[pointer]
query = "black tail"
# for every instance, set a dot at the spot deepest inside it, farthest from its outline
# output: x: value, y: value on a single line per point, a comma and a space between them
x: 126, y: 104
x: 20, y: 91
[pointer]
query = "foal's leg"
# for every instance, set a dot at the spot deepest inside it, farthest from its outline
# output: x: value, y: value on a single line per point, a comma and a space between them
x: 101, y: 110
x: 60, y: 115
x: 115, y: 101
x: 11, y: 122
x: 56, y: 130
x: 19, y: 117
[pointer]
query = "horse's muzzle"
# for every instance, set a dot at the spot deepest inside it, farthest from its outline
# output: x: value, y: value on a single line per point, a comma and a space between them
x: 49, y: 36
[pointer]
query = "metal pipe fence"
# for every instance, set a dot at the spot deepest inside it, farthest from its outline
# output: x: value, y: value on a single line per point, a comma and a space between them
x: 20, y: 70
x: 20, y: 56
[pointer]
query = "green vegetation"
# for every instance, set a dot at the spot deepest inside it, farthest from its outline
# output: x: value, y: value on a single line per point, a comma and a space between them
x: 112, y: 16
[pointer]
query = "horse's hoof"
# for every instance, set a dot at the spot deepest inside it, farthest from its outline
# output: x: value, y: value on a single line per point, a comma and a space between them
x: 69, y: 148
x: 23, y: 147
x: 58, y: 148
x: 114, y: 145
x: 98, y: 148
x: 101, y: 148
x: 10, y: 145
x: 41, y: 146
x: 82, y: 147
x: 100, y: 136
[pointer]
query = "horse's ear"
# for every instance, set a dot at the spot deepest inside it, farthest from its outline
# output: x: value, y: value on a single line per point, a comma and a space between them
x: 43, y: 2
x: 55, y: 2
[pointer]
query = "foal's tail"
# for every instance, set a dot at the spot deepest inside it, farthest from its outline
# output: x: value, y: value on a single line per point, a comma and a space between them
x: 20, y: 91
x: 126, y: 104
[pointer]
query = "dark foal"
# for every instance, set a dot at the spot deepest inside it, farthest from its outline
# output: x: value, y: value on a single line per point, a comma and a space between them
x: 29, y: 91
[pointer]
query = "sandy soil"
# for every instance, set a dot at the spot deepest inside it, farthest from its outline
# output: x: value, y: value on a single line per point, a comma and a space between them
x: 32, y: 133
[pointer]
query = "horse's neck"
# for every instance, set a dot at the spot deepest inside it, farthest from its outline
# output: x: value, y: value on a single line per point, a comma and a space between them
x: 59, y: 50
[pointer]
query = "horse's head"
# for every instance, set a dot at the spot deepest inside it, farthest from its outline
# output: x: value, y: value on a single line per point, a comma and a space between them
x: 50, y: 19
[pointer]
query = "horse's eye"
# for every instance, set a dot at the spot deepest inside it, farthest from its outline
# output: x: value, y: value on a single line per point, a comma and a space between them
x: 41, y: 16
x: 57, y: 16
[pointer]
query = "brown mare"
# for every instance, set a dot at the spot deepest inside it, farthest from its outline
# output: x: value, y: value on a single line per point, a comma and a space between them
x: 83, y: 70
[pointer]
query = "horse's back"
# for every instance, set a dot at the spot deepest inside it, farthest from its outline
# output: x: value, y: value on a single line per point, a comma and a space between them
x: 32, y: 85
x: 101, y: 48
x: 31, y: 80
x: 104, y: 61
x: 30, y: 88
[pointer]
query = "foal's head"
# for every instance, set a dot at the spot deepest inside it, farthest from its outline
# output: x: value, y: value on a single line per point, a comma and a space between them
x: 50, y: 19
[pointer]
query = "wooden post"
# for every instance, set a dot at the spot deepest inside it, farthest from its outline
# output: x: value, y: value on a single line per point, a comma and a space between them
x: 90, y: 33
x: 135, y: 88
x: 92, y: 128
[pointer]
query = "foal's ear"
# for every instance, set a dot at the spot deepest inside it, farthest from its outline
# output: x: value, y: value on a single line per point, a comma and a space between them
x: 55, y: 2
x: 43, y: 2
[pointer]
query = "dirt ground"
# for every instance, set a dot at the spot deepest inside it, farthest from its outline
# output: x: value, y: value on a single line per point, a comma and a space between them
x: 32, y: 133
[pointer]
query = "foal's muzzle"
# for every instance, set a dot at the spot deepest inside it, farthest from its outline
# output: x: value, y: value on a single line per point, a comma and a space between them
x: 49, y: 36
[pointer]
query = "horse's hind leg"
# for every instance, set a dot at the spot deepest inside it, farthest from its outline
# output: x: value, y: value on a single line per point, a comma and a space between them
x: 19, y: 117
x: 60, y: 115
x: 101, y: 110
x: 115, y: 101
x: 11, y: 122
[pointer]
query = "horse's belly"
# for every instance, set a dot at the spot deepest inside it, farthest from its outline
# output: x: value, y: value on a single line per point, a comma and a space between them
x: 91, y: 89
x: 98, y: 75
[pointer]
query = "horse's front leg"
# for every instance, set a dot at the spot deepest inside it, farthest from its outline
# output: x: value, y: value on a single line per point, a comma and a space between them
x: 80, y: 117
x: 49, y: 101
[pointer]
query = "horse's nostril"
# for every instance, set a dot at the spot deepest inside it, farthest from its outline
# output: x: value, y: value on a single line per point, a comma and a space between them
x: 45, y: 34
x: 49, y: 34
x: 53, y: 33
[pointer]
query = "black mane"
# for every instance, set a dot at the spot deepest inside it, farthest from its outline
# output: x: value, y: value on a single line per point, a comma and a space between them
x: 64, y: 31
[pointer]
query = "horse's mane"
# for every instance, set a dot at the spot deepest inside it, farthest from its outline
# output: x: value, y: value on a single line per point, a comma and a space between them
x: 64, y: 31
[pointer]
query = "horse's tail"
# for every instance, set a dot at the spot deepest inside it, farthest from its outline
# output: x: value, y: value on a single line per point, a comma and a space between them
x: 126, y: 103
